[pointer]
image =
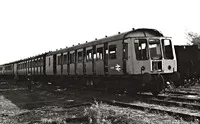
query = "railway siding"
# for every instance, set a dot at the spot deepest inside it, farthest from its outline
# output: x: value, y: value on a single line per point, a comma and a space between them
x: 189, y: 116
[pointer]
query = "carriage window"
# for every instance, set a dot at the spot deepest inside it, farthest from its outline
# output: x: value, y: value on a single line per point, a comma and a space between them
x: 94, y: 55
x: 72, y: 58
x: 23, y: 65
x: 141, y: 49
x: 30, y: 64
x: 80, y: 57
x: 65, y: 59
x: 9, y: 67
x: 41, y: 61
x: 59, y: 60
x: 99, y: 53
x: 49, y: 61
x: 89, y: 55
x: 167, y: 49
x: 35, y: 63
x: 126, y: 51
x: 112, y: 52
x: 155, y: 49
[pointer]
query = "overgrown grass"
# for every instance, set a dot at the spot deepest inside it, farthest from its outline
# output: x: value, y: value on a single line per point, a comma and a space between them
x: 100, y: 113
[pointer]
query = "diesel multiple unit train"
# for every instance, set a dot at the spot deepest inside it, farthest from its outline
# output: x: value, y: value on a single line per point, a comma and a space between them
x: 137, y: 60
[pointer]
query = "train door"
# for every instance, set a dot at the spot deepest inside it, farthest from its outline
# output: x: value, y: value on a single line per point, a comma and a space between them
x: 89, y: 61
x: 115, y: 55
x: 68, y: 63
x: 15, y: 69
x: 54, y: 64
x: 59, y: 63
x: 33, y: 65
x: 44, y: 65
x: 30, y: 67
x: 72, y: 63
x: 36, y: 66
x: 41, y: 66
x: 99, y: 63
x: 26, y: 67
x: 128, y: 56
x: 75, y: 62
x: 49, y: 65
x: 79, y: 67
x: 61, y: 59
x: 84, y: 60
x: 65, y: 64
x: 106, y: 58
x: 94, y: 57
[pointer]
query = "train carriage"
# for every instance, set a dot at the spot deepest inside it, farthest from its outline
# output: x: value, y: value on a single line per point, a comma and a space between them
x: 138, y: 58
x: 188, y: 59
x: 141, y: 59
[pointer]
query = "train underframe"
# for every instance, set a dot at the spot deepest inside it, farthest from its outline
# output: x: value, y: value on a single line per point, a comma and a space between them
x: 154, y: 83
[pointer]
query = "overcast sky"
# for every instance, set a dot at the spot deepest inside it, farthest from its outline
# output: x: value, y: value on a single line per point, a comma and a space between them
x: 31, y: 27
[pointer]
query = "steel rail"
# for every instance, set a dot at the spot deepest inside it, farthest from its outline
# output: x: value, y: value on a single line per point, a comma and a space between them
x: 172, y: 103
x: 175, y: 98
x: 187, y: 117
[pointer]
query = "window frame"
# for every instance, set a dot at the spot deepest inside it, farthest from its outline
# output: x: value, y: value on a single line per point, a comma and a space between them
x: 137, y: 52
x: 164, y: 49
x: 100, y: 53
x: 49, y: 60
x: 65, y: 59
x: 78, y: 56
x: 59, y: 60
x: 89, y: 55
x: 71, y: 57
x: 111, y: 48
x: 158, y: 48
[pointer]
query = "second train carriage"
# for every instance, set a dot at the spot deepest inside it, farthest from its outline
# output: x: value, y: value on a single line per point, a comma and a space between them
x: 141, y: 59
x: 188, y: 59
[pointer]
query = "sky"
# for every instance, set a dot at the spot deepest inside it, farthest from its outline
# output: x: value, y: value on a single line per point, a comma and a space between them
x: 32, y: 27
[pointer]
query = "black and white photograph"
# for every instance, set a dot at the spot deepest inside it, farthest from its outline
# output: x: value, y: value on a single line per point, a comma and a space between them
x: 99, y: 62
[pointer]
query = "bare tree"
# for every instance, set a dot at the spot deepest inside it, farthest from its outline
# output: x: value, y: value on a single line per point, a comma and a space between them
x: 193, y: 38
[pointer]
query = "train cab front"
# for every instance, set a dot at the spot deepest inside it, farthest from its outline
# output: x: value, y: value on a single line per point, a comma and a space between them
x: 155, y: 61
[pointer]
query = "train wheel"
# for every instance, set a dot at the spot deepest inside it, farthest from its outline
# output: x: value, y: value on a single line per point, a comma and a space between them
x: 159, y: 85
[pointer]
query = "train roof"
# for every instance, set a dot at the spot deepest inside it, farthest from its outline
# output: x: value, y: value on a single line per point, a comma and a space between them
x: 142, y: 32
x: 33, y: 57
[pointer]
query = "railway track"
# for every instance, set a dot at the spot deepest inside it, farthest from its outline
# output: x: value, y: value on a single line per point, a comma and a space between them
x: 185, y: 116
x: 182, y: 92
x: 166, y: 100
x: 193, y: 99
x: 172, y: 103
x: 147, y: 98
